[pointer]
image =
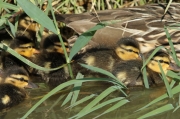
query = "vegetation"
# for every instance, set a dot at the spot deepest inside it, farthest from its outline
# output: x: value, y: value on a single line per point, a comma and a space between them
x: 95, y: 102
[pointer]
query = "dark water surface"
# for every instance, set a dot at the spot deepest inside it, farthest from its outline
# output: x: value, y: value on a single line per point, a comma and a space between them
x: 138, y: 98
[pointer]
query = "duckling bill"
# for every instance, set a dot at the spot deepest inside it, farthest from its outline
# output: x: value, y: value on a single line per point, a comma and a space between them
x: 22, y: 45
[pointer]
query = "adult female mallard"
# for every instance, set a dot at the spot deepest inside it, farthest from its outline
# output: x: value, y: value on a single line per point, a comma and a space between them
x: 144, y: 23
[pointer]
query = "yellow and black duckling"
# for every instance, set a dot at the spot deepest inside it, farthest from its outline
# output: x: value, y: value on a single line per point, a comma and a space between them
x: 23, y: 46
x: 52, y: 56
x: 12, y: 85
x: 153, y: 69
x: 126, y: 49
x: 129, y: 72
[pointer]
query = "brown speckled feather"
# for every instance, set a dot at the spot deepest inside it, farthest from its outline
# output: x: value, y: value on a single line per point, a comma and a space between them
x: 144, y: 23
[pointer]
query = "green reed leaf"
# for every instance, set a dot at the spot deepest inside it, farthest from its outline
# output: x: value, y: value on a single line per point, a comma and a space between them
x: 96, y: 100
x: 158, y: 111
x: 175, y: 90
x: 115, y: 106
x: 39, y: 16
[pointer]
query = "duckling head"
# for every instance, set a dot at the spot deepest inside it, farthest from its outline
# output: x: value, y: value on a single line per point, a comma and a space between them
x: 18, y: 77
x: 28, y: 23
x: 24, y: 46
x: 163, y: 58
x: 128, y: 48
x: 52, y: 44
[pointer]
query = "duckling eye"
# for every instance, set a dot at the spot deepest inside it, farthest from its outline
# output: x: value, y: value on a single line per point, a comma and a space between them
x: 28, y: 47
x: 161, y: 61
x: 21, y: 79
x: 129, y: 50
x: 57, y: 45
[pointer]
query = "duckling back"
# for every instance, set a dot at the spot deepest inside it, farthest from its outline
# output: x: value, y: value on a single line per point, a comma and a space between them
x: 129, y: 72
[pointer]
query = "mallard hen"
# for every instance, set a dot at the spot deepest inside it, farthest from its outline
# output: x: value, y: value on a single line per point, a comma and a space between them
x: 144, y: 23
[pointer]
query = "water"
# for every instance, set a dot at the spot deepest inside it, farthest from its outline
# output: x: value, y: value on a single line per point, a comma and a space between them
x: 138, y: 98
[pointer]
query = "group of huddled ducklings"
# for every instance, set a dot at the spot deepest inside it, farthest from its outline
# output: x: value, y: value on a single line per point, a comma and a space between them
x: 124, y: 61
x: 15, y: 74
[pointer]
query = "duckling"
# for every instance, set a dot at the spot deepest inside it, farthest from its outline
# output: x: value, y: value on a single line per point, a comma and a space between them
x: 144, y: 23
x: 12, y: 85
x: 22, y: 45
x: 126, y: 49
x: 129, y: 72
x: 52, y: 56
x: 153, y: 69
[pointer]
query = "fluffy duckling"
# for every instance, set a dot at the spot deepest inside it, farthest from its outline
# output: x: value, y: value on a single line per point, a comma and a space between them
x: 12, y: 85
x: 22, y: 45
x: 52, y: 56
x: 126, y: 49
x: 129, y: 72
x: 153, y: 69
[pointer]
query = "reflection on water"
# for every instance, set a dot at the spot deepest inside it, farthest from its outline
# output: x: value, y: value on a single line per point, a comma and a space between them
x: 138, y: 98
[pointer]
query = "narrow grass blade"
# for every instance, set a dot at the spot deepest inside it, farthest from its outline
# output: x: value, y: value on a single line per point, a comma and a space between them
x: 169, y: 91
x: 58, y: 88
x: 107, y: 80
x: 173, y: 75
x: 96, y: 69
x: 167, y: 7
x: 96, y: 100
x: 178, y: 105
x: 145, y: 78
x: 176, y: 108
x: 102, y: 105
x: 153, y: 53
x: 9, y: 6
x: 56, y: 102
x: 12, y: 28
x: 171, y: 46
x: 68, y: 98
x: 175, y: 90
x: 74, y: 93
x: 173, y: 82
x: 157, y: 111
x: 84, y: 39
x: 35, y: 13
x: 82, y: 100
x: 115, y: 106
x: 76, y: 88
